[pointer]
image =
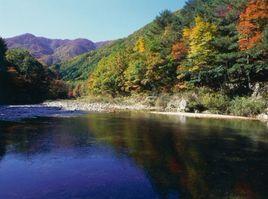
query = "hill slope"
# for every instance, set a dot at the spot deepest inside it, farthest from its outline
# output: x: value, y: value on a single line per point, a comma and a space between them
x: 208, y: 43
x: 52, y: 51
x: 80, y: 67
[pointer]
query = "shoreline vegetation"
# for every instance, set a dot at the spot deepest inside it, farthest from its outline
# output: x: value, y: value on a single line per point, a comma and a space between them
x: 134, y: 104
x: 194, y: 60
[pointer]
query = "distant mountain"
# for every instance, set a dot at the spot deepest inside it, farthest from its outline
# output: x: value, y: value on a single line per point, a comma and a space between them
x: 52, y: 51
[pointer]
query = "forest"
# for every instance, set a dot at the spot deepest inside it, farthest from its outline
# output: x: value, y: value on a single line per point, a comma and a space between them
x: 217, y: 44
x: 216, y: 49
x: 25, y: 80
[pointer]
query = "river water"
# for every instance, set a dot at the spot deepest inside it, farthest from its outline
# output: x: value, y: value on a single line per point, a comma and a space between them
x: 49, y: 153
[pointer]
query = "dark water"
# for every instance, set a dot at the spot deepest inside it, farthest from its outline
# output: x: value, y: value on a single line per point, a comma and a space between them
x: 133, y: 155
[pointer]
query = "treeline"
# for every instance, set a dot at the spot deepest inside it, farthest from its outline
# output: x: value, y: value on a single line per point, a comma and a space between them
x: 217, y: 44
x: 25, y: 80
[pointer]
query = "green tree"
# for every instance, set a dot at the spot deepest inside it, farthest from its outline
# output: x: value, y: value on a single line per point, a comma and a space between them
x: 25, y: 64
x: 226, y: 13
x: 3, y: 49
x: 27, y: 77
x: 108, y: 78
x: 3, y: 88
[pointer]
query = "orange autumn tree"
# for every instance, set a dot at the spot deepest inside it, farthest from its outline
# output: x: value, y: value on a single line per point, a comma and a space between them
x: 251, y: 23
x: 179, y: 50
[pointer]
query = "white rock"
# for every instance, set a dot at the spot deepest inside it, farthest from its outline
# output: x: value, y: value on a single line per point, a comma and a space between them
x: 182, y: 106
x: 263, y: 117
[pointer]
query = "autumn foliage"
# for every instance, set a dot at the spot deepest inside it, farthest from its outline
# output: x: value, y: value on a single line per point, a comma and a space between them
x: 252, y: 23
x: 179, y: 50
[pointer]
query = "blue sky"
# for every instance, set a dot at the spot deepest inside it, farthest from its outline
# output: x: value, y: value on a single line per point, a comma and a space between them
x: 68, y: 19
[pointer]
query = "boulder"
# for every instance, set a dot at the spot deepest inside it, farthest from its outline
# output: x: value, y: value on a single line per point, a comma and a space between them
x: 182, y: 106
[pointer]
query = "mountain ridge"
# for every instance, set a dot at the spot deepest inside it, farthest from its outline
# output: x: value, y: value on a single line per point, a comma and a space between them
x: 53, y: 51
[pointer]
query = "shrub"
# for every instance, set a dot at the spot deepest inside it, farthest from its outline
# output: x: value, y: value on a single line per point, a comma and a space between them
x: 58, y: 90
x: 80, y: 90
x: 215, y: 102
x: 246, y: 106
x: 194, y: 104
x: 162, y: 101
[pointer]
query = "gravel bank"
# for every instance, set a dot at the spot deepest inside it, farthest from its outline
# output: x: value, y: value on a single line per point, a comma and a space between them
x: 76, y: 105
x: 80, y: 105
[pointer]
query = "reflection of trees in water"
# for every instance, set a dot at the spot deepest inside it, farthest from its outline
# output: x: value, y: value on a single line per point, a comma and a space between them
x: 42, y: 136
x: 193, y: 158
x: 155, y: 150
x: 197, y: 159
x: 2, y: 142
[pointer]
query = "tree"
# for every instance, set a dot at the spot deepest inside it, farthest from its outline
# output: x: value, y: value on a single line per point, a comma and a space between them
x: 226, y: 14
x: 179, y: 51
x: 200, y: 40
x: 135, y: 74
x: 252, y: 64
x: 108, y: 78
x: 164, y: 19
x: 201, y: 52
x: 25, y: 64
x: 3, y: 49
x: 252, y: 22
x: 140, y: 45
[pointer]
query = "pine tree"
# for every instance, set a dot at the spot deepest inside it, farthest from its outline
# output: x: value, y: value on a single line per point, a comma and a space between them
x: 226, y: 41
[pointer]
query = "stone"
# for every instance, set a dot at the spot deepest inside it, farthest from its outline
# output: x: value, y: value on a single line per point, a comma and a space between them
x: 263, y: 117
x: 182, y: 106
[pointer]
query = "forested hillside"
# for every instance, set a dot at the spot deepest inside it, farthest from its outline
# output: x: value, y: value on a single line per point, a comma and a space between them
x: 25, y: 80
x: 212, y: 52
x: 220, y: 45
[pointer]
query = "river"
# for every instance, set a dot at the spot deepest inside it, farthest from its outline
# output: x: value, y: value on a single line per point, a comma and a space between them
x: 49, y: 153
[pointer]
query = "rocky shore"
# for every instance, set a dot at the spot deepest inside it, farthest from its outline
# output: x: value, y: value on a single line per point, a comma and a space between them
x: 81, y: 105
x: 76, y: 105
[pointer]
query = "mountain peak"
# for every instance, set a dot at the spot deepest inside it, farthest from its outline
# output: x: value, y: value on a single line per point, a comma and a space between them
x: 28, y: 34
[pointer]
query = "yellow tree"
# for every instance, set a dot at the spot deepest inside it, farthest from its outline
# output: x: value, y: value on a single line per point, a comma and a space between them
x: 199, y: 38
x: 200, y: 54
x: 140, y: 45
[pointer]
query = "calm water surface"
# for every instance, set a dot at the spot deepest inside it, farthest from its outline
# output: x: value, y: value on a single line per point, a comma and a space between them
x: 132, y: 155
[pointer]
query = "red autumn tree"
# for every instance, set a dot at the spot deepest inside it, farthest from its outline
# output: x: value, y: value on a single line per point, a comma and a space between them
x: 252, y: 22
x: 179, y: 50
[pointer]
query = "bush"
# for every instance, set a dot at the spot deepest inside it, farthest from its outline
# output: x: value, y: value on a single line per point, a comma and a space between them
x: 247, y: 106
x: 194, y: 104
x: 58, y: 89
x: 80, y: 90
x: 215, y: 102
x: 162, y: 101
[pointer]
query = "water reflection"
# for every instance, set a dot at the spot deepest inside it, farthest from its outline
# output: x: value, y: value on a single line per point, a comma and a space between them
x: 132, y: 155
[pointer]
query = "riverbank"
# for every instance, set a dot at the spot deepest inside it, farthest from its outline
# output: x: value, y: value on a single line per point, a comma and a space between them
x: 205, y: 115
x: 84, y: 105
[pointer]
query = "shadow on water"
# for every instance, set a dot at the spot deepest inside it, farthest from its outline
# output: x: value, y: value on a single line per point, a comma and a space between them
x: 172, y: 157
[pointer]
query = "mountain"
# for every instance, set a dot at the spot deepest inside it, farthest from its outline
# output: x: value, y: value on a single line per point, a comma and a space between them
x: 52, y: 51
